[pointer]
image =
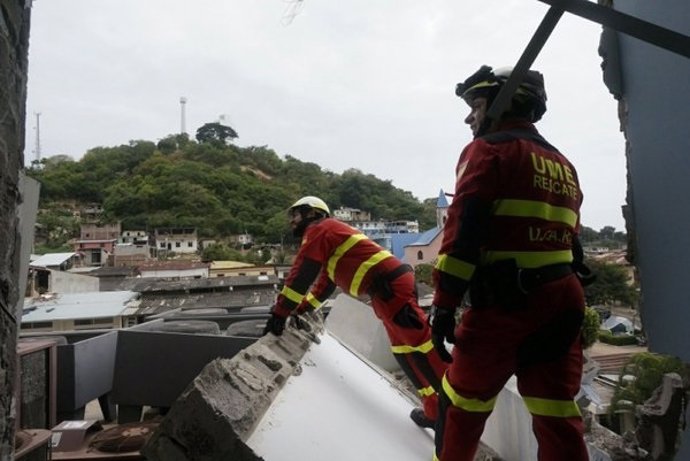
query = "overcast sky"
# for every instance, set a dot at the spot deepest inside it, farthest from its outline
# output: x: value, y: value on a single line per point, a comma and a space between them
x: 344, y: 84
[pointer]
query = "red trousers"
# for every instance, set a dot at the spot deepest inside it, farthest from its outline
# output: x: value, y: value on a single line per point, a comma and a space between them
x: 412, y: 347
x: 490, y: 347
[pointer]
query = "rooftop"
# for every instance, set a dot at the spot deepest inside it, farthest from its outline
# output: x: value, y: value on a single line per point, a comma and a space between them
x: 68, y: 306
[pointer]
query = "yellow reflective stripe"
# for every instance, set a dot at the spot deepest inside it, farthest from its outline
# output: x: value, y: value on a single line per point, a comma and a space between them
x: 426, y: 391
x: 291, y: 294
x: 311, y: 299
x: 364, y: 268
x: 535, y: 209
x: 470, y: 405
x: 530, y: 259
x: 423, y: 348
x: 340, y: 251
x: 480, y: 85
x: 455, y: 267
x: 435, y: 458
x: 557, y: 408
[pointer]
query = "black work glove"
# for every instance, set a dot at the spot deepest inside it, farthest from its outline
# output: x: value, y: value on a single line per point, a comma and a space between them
x: 584, y: 273
x: 275, y: 325
x: 301, y: 322
x: 442, y: 323
x: 408, y: 318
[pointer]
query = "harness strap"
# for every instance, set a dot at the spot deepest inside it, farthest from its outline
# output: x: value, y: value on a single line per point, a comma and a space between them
x: 380, y: 283
x: 529, y: 279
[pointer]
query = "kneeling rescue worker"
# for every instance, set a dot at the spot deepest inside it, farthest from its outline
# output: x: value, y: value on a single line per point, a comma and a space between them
x: 510, y: 239
x: 333, y: 253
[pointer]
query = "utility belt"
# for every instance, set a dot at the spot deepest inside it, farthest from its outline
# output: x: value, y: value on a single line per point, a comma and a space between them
x: 504, y: 283
x: 380, y: 286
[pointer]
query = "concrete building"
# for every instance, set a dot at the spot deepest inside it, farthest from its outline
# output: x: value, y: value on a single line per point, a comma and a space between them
x: 98, y: 231
x: 137, y: 237
x: 130, y: 254
x: 179, y: 240
x: 351, y: 214
x: 79, y: 311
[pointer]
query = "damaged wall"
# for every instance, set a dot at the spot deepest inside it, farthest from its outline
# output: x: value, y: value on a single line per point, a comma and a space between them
x: 14, y: 45
x: 653, y: 86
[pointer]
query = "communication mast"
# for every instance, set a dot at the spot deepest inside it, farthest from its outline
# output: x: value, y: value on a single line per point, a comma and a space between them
x: 183, y: 127
x: 37, y: 148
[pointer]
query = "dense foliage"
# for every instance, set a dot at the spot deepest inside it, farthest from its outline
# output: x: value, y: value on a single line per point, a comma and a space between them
x: 648, y: 369
x: 217, y: 187
x: 590, y: 328
x: 611, y: 285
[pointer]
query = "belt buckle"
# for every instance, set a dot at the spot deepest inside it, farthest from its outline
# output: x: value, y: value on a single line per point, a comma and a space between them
x: 520, y: 286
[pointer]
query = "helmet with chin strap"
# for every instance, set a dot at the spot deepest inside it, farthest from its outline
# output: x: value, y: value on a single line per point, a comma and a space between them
x: 310, y: 209
x: 312, y: 202
x: 529, y: 100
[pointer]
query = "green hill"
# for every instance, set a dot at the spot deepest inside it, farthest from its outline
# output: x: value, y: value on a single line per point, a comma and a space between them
x: 216, y: 187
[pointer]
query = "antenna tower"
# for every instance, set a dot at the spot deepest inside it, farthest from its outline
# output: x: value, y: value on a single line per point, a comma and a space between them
x: 183, y: 127
x: 37, y: 148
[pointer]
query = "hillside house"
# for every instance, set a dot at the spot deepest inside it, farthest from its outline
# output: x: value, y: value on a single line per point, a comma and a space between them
x: 176, y: 240
x: 137, y: 237
x: 351, y: 214
x: 96, y: 242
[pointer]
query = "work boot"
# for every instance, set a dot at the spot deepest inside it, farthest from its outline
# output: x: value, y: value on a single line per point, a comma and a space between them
x: 417, y: 415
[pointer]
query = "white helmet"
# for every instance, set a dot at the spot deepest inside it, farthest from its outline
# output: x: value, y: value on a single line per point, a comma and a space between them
x: 312, y: 202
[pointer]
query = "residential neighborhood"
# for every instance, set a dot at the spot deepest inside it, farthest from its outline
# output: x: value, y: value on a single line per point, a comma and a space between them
x: 404, y: 232
x: 133, y: 284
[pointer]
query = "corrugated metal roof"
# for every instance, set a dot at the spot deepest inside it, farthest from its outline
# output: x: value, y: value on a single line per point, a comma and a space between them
x: 158, y: 304
x: 113, y: 271
x: 171, y: 265
x: 69, y: 306
x: 51, y: 259
x: 146, y: 284
x: 426, y: 237
x: 218, y: 265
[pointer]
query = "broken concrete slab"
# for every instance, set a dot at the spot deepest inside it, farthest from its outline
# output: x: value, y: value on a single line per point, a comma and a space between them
x: 213, y: 417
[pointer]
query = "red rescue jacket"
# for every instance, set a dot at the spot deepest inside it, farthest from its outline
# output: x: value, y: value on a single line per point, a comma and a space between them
x: 339, y: 255
x: 516, y: 197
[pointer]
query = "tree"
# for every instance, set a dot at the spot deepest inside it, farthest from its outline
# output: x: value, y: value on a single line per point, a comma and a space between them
x: 607, y: 232
x: 220, y: 252
x: 649, y: 370
x: 422, y: 273
x: 215, y: 133
x: 610, y: 285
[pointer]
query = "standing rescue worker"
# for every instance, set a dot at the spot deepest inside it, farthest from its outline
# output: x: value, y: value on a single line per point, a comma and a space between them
x: 333, y: 253
x: 509, y: 240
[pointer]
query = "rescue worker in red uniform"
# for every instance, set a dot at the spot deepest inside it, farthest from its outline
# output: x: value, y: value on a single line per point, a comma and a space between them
x: 509, y: 241
x: 333, y: 253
